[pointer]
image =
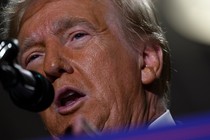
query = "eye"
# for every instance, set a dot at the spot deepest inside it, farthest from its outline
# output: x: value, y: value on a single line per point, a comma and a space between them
x: 78, y: 38
x: 32, y: 57
x: 79, y: 35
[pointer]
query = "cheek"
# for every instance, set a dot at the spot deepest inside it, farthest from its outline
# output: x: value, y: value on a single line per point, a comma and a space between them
x: 113, y: 71
x: 49, y: 120
x: 55, y: 124
x: 99, y: 68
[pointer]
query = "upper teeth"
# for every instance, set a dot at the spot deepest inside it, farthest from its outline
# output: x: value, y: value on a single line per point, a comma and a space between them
x: 66, y: 98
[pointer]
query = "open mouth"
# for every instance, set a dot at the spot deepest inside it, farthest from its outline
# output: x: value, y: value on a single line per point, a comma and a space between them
x: 68, y: 99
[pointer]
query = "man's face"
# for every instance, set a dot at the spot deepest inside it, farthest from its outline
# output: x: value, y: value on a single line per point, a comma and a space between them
x: 79, y: 46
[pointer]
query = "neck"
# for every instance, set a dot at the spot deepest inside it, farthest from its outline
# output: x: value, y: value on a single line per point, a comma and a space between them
x: 153, y: 107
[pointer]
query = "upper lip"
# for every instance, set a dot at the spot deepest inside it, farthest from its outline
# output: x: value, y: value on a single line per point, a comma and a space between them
x: 67, y: 96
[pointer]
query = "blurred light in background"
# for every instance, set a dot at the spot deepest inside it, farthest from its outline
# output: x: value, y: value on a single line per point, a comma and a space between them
x: 190, y: 18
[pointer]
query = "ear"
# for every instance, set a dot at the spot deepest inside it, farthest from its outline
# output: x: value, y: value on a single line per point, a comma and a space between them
x: 152, y: 62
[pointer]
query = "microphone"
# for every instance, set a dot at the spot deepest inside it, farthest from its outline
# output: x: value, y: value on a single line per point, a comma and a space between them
x: 28, y: 90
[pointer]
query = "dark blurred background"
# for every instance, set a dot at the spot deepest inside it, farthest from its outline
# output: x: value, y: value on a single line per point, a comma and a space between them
x: 190, y: 86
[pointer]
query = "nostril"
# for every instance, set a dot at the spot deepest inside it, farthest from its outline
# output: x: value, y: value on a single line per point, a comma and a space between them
x: 67, y: 68
x: 51, y: 78
x: 56, y: 64
x: 61, y: 71
x: 53, y: 75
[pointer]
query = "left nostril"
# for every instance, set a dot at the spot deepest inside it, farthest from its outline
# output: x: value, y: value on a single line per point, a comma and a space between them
x: 61, y: 71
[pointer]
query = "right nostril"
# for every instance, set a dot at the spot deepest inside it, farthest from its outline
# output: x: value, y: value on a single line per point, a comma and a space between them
x: 61, y: 71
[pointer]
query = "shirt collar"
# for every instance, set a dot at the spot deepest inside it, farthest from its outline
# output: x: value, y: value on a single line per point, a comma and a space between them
x: 164, y: 120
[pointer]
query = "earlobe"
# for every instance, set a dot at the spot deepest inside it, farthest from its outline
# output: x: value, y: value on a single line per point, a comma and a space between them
x: 148, y: 75
x: 153, y: 61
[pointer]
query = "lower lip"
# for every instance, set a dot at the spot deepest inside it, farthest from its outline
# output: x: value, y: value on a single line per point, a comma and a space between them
x: 72, y: 107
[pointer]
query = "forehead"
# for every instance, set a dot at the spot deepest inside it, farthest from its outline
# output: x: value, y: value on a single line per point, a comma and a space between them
x: 42, y: 16
x: 74, y: 6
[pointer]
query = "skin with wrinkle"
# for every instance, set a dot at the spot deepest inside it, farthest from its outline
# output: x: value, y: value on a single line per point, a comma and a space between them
x: 88, y: 53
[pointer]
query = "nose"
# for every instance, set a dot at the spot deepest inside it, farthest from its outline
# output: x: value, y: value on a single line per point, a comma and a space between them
x: 56, y: 62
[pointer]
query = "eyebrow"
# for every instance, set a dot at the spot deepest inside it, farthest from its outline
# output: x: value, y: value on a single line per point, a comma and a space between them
x: 66, y: 23
x: 56, y: 27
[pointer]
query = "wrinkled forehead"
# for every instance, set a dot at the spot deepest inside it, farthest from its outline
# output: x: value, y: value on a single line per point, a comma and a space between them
x: 33, y: 6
